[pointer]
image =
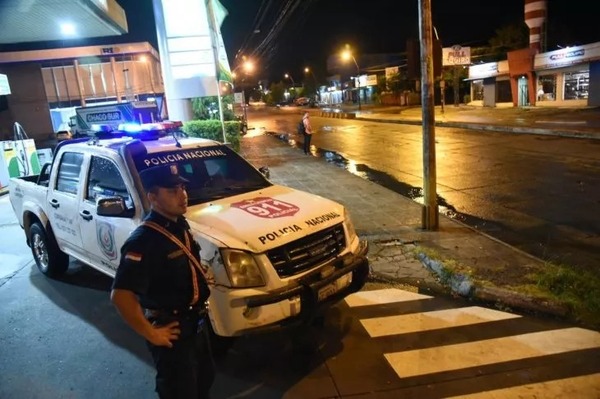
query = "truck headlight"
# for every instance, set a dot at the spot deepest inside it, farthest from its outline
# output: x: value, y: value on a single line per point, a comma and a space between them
x: 349, y: 226
x: 242, y: 269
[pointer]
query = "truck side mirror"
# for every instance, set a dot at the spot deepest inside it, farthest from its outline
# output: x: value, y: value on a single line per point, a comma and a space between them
x: 111, y: 206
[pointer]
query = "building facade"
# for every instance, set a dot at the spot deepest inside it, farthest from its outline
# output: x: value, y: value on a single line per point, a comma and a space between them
x: 47, y: 85
x: 568, y: 77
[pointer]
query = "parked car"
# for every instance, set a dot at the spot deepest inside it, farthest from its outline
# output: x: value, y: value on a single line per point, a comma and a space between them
x: 63, y: 135
x: 301, y: 101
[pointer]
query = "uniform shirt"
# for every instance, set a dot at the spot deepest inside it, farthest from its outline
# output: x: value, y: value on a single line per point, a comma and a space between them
x: 157, y: 269
x: 307, y: 125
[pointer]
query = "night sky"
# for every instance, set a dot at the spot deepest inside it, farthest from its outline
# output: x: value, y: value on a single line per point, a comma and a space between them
x: 288, y: 35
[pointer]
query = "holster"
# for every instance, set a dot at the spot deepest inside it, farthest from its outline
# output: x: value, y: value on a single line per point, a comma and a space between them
x: 191, y: 322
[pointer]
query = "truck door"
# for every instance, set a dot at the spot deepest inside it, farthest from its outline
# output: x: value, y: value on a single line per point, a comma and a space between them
x: 63, y: 202
x: 103, y: 236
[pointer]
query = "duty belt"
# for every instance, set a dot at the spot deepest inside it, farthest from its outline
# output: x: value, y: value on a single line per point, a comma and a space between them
x: 187, y: 311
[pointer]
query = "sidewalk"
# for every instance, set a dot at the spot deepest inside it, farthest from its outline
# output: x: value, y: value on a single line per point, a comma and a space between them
x: 400, y: 250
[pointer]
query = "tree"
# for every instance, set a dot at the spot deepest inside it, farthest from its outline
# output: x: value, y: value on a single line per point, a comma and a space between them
x: 277, y: 91
x: 208, y: 107
x: 310, y: 88
x: 508, y: 38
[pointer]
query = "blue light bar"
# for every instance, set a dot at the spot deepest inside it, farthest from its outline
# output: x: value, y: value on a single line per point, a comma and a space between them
x: 130, y: 127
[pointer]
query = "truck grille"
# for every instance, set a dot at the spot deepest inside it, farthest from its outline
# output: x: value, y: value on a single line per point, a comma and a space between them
x: 307, y: 252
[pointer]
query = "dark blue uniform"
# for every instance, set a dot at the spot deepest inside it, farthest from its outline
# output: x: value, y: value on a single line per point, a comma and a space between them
x: 170, y: 288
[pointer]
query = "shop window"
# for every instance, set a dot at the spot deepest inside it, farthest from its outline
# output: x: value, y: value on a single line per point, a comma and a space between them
x: 477, y: 90
x: 576, y: 85
x: 547, y: 88
x: 503, y: 92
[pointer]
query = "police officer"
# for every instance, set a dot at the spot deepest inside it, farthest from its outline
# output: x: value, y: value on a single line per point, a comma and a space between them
x: 160, y: 290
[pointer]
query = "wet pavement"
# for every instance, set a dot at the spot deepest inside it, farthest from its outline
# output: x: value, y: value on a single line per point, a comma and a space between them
x: 574, y: 122
x: 399, y: 249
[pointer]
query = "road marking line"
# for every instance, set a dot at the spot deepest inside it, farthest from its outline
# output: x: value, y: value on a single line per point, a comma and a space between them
x: 380, y: 297
x: 587, y: 386
x: 465, y: 355
x: 435, y: 320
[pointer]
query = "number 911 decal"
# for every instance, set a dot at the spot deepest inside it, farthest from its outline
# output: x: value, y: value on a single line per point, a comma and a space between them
x: 266, y: 207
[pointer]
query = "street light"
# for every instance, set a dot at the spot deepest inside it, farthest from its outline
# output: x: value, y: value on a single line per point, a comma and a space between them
x: 288, y: 76
x: 308, y: 71
x: 248, y: 67
x: 346, y: 56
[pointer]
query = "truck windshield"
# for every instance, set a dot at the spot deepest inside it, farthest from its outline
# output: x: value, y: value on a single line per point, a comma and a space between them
x: 214, y: 172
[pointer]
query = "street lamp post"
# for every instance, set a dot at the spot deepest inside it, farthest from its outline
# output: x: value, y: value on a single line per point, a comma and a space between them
x: 248, y: 67
x: 307, y: 71
x: 288, y: 76
x: 346, y: 55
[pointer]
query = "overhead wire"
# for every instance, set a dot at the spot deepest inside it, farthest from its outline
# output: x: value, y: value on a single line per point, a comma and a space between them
x: 276, y: 18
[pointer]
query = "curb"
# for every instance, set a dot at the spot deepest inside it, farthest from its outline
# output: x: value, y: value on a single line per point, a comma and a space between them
x: 461, y: 285
x: 338, y: 115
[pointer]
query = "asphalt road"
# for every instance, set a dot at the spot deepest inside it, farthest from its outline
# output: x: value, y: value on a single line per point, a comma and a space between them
x: 538, y: 193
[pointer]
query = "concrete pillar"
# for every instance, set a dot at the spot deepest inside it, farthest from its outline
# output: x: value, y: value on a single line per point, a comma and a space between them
x: 78, y: 78
x: 180, y: 109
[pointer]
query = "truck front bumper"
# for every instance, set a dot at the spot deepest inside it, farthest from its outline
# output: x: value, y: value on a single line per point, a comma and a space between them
x: 318, y: 288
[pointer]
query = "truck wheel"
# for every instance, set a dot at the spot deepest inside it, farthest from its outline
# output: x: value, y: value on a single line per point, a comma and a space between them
x: 219, y: 346
x: 49, y: 258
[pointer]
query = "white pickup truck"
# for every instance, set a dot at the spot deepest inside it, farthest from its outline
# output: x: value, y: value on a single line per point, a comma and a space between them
x: 275, y: 255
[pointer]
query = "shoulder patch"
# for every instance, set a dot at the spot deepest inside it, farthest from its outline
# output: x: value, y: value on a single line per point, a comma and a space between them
x: 133, y: 256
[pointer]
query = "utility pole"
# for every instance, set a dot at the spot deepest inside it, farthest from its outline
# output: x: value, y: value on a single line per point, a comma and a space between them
x: 456, y: 85
x: 429, y: 220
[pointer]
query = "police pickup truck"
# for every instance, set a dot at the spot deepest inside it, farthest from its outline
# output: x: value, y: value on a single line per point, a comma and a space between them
x: 274, y: 255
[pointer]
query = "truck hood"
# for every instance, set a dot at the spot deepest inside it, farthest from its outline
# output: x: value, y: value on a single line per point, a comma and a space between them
x: 264, y: 219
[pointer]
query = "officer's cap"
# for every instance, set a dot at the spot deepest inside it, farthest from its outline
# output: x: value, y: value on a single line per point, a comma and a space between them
x: 166, y: 176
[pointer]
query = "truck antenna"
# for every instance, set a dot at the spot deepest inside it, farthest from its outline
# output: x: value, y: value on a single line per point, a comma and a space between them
x: 177, y: 143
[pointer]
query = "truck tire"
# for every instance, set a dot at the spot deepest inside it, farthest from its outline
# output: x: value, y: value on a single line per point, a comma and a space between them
x: 219, y: 346
x: 48, y: 257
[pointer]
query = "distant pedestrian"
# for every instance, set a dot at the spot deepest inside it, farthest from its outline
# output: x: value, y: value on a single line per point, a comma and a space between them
x: 307, y: 132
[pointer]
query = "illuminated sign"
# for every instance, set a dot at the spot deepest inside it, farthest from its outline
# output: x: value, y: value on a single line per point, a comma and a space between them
x: 456, y: 55
x: 192, y: 51
x: 567, y: 56
x: 483, y: 70
x: 103, y: 117
x: 391, y: 71
x: 4, y: 87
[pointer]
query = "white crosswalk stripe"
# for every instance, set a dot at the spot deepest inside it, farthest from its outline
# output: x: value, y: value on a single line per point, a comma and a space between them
x: 434, y: 320
x: 511, y: 351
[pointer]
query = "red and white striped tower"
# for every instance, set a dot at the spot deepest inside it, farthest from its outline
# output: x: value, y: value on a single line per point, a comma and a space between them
x: 535, y: 18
